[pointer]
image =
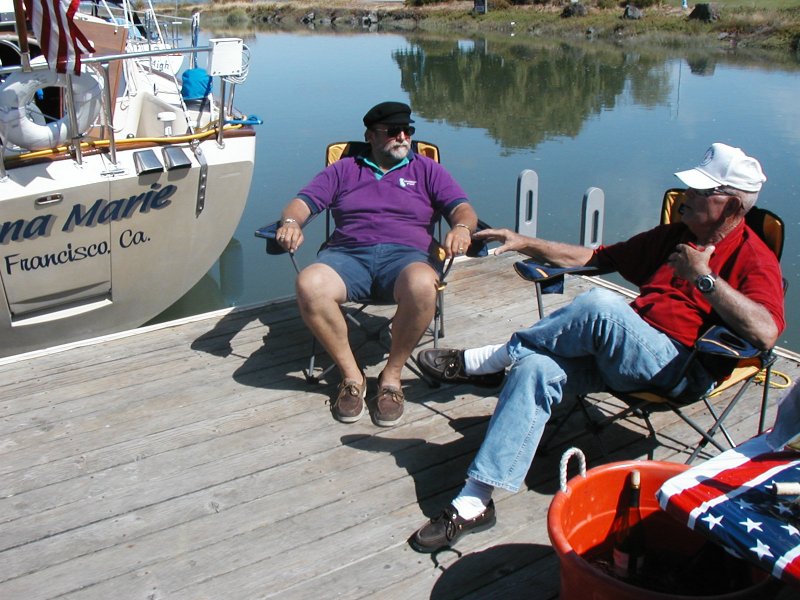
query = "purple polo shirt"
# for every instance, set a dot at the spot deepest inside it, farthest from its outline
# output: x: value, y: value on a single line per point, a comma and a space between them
x: 400, y: 207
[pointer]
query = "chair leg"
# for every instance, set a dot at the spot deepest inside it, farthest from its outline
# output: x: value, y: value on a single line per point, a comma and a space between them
x: 641, y: 411
x: 705, y: 435
x: 437, y: 325
x: 764, y: 399
x: 718, y: 419
x: 309, y: 373
x: 719, y: 422
x: 439, y: 318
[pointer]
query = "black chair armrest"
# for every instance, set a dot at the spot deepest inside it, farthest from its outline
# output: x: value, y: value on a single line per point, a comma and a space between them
x: 479, y: 248
x: 550, y: 278
x: 718, y: 340
x: 269, y: 233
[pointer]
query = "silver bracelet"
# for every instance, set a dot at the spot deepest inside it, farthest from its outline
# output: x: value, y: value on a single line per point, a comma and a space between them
x: 289, y: 220
x: 465, y: 226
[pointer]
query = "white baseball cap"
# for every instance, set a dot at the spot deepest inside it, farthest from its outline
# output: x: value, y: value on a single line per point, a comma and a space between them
x: 725, y: 165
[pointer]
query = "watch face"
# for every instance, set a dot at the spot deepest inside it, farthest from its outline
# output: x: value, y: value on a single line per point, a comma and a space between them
x: 705, y: 283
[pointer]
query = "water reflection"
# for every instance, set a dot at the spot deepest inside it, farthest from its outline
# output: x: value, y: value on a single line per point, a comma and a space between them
x: 581, y: 114
x: 547, y: 90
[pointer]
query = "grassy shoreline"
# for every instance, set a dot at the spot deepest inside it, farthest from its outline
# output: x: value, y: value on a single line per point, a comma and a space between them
x: 772, y: 25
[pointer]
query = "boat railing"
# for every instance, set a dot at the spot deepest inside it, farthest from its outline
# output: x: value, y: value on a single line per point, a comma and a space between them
x: 146, y: 24
x: 229, y: 73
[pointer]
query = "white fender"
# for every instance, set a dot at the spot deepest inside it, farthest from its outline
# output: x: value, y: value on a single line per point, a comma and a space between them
x: 18, y: 121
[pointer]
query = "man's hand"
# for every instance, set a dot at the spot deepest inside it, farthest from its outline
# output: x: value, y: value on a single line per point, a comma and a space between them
x: 289, y: 236
x: 457, y: 241
x: 290, y: 232
x: 463, y: 222
x: 746, y: 317
x: 509, y: 240
x: 690, y: 262
x: 553, y: 253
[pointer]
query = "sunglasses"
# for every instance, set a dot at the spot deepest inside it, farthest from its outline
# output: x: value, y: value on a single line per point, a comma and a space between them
x: 707, y: 193
x: 394, y: 131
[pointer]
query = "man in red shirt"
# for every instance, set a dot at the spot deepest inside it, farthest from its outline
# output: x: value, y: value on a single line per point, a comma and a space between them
x: 708, y: 269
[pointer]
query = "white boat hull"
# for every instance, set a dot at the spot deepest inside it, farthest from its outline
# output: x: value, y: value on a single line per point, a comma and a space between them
x: 115, y: 250
x: 102, y: 231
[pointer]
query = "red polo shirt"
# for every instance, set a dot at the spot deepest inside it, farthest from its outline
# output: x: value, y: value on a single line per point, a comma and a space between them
x: 674, y: 305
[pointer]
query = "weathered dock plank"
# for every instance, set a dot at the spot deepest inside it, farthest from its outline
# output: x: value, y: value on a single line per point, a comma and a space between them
x: 193, y: 461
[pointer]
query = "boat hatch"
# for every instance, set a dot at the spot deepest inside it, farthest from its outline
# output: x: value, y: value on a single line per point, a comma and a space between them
x: 52, y: 259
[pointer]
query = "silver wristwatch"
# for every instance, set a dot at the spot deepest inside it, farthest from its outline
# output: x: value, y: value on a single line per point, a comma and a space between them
x: 706, y: 283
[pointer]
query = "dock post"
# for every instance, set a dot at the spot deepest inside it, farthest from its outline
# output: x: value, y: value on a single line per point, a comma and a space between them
x: 592, y: 217
x: 527, y: 202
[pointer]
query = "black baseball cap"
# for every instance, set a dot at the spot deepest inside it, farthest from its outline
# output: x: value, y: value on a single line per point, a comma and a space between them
x: 391, y: 113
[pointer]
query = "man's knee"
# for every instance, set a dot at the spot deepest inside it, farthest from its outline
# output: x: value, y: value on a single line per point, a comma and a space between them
x: 417, y: 282
x: 532, y: 365
x: 320, y: 281
x: 536, y: 379
x: 597, y: 303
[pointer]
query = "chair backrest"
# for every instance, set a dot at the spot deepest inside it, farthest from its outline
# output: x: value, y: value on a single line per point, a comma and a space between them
x: 339, y: 150
x: 766, y: 224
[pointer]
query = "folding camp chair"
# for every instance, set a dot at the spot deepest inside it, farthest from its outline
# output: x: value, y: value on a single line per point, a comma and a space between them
x: 746, y: 361
x: 353, y: 311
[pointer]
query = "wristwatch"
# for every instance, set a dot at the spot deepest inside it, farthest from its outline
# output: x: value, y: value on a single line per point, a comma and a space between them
x: 706, y: 283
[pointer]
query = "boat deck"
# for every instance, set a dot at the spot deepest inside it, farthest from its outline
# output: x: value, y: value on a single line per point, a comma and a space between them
x: 193, y: 461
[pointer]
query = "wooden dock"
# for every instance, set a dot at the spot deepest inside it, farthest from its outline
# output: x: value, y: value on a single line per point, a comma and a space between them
x: 193, y: 461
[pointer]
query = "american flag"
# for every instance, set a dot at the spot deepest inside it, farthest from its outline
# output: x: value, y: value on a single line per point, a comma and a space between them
x: 54, y: 26
x: 729, y: 500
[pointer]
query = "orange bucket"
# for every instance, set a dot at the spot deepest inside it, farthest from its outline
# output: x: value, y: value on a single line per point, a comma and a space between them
x: 579, y: 523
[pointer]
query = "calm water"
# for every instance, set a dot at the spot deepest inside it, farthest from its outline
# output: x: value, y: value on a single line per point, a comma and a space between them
x: 579, y: 115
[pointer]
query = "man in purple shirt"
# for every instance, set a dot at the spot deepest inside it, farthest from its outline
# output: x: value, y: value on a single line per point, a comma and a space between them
x: 385, y: 204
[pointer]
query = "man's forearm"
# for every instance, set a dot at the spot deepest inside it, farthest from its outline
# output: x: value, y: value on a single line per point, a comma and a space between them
x: 558, y: 253
x: 296, y: 210
x: 463, y: 214
x: 744, y: 316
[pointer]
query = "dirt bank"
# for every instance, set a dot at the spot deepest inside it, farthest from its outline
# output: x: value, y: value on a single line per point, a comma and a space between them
x: 777, y: 30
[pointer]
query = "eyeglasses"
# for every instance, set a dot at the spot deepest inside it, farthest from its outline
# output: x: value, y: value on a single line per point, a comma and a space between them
x: 707, y: 193
x: 394, y: 131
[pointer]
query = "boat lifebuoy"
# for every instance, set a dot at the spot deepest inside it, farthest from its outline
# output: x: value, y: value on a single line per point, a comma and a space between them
x: 18, y: 121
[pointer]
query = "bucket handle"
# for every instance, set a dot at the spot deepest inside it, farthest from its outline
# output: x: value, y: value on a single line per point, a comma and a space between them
x: 565, y: 461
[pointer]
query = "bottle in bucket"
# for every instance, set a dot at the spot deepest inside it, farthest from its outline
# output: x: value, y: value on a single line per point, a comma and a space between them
x: 628, y: 534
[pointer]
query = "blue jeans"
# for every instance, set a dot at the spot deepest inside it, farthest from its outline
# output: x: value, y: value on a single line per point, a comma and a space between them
x: 594, y: 343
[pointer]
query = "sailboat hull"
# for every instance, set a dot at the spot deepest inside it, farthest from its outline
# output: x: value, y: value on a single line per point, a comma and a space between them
x: 93, y: 248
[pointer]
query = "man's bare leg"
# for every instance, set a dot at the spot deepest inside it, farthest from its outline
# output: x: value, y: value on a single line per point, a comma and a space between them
x: 415, y: 294
x: 320, y: 294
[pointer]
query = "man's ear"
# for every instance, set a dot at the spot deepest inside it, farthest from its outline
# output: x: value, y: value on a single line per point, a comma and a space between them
x: 733, y: 207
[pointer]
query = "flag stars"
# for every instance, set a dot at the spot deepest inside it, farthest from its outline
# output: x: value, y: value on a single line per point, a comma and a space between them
x: 744, y: 504
x: 751, y: 525
x: 761, y: 549
x: 791, y: 529
x: 712, y: 521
